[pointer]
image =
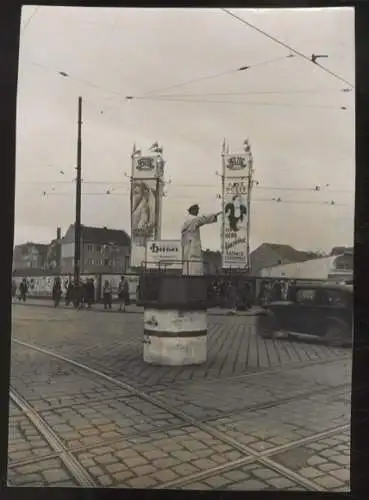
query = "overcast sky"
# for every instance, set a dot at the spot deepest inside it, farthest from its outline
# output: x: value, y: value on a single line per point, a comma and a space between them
x: 299, y: 134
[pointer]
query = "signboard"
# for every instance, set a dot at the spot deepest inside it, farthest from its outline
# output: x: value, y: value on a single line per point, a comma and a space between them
x: 146, y: 202
x: 147, y: 167
x: 236, y: 172
x: 144, y: 220
x: 236, y: 165
x: 235, y: 230
x: 164, y: 254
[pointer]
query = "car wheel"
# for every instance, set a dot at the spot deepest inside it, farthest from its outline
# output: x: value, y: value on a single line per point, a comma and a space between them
x: 338, y: 334
x: 266, y: 326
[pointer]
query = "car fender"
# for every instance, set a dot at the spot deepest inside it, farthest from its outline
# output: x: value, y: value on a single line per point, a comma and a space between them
x: 333, y: 320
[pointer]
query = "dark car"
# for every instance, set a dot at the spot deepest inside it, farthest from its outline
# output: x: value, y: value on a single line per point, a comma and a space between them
x: 323, y: 310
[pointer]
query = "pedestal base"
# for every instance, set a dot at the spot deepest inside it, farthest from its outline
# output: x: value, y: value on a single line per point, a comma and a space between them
x: 175, y: 338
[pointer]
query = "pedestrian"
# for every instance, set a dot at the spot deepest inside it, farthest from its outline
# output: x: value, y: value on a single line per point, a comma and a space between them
x: 69, y: 292
x: 90, y: 292
x: 57, y: 291
x: 231, y: 295
x: 23, y: 289
x: 107, y: 294
x: 14, y: 289
x: 123, y: 294
x: 77, y: 294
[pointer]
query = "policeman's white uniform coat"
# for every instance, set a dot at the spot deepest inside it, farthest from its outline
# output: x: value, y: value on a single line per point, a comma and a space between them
x: 191, y: 243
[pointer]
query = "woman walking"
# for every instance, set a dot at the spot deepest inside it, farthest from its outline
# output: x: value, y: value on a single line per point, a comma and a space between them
x: 107, y: 294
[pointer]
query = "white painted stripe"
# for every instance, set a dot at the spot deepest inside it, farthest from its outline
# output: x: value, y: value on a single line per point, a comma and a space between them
x: 175, y: 321
x: 175, y: 351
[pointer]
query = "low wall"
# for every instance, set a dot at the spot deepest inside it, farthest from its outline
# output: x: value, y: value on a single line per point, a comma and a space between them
x: 41, y: 286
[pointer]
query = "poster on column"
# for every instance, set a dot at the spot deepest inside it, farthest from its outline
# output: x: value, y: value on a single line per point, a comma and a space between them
x: 143, y: 217
x: 236, y: 172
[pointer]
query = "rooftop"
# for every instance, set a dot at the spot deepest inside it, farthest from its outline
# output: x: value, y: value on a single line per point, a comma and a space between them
x: 104, y: 235
x: 286, y: 252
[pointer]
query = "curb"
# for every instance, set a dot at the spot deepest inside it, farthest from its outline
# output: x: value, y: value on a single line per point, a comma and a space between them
x: 211, y: 313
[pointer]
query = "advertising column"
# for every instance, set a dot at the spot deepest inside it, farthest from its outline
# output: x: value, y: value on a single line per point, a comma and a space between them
x: 237, y: 169
x: 146, y: 201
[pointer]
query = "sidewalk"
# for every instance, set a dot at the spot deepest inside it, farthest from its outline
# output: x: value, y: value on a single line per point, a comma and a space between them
x: 133, y: 309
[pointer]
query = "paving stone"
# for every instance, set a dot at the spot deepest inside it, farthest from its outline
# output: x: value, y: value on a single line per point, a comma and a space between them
x: 87, y: 462
x: 217, y: 482
x: 105, y: 481
x: 28, y: 480
x: 315, y: 460
x: 105, y: 459
x: 122, y: 476
x: 134, y: 461
x: 53, y: 475
x: 264, y: 473
x: 165, y: 475
x: 310, y: 472
x: 117, y: 467
x: 126, y: 453
x: 163, y: 463
x: 250, y: 485
x: 142, y: 482
x: 327, y: 467
x: 341, y: 474
x: 341, y: 459
x: 183, y: 455
x: 328, y: 482
x: 184, y: 469
x: 143, y: 470
x: 196, y: 486
x: 236, y: 475
x: 204, y: 464
x: 96, y: 471
x: 280, y: 482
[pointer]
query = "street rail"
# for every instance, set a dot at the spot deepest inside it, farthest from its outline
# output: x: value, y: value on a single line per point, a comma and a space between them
x: 77, y: 470
x: 262, y: 457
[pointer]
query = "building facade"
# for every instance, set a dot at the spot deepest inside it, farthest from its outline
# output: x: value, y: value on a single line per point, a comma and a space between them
x: 103, y: 250
x: 29, y: 256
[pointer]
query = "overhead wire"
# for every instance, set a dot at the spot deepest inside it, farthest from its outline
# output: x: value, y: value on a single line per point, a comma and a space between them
x: 247, y: 103
x: 265, y: 200
x: 286, y: 46
x: 317, y: 188
x: 208, y: 77
x: 28, y: 22
x: 262, y: 92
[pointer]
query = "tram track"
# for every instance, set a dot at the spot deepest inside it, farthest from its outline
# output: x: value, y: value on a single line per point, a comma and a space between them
x: 78, y: 472
x: 252, y: 455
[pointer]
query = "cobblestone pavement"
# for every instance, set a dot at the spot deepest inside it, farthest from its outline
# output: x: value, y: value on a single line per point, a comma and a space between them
x: 114, y: 343
x: 239, y: 422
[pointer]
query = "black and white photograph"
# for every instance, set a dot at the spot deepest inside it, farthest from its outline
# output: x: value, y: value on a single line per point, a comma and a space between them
x: 183, y: 261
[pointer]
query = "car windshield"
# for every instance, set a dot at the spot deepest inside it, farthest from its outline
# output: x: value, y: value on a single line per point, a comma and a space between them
x: 335, y: 298
x: 305, y: 296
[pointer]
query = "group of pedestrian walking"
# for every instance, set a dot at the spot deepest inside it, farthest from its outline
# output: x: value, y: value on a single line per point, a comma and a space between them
x: 230, y: 294
x: 123, y: 295
x: 80, y: 294
x: 274, y: 290
x: 21, y: 289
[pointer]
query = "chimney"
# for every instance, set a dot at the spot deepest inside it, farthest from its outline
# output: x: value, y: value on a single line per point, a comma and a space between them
x: 58, y: 233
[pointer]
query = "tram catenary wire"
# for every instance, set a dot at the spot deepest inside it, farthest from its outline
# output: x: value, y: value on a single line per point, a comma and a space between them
x: 209, y: 77
x: 286, y: 46
x: 266, y: 200
x: 321, y: 189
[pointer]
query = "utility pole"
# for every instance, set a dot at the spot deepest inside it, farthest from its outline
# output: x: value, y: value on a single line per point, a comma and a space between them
x: 77, y: 224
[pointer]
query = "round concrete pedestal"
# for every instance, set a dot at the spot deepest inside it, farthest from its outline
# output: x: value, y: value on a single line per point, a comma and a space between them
x: 175, y: 338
